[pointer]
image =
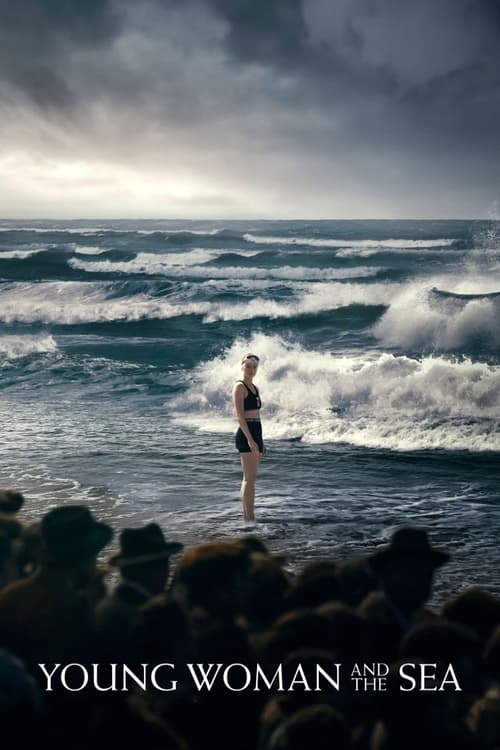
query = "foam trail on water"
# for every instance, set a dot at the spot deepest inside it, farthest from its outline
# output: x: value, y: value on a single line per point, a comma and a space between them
x: 369, y: 399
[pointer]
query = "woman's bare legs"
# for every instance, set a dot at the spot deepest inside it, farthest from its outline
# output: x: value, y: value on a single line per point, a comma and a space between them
x: 250, y: 465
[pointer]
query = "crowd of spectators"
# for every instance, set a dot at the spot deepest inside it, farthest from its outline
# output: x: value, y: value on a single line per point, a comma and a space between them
x: 233, y: 602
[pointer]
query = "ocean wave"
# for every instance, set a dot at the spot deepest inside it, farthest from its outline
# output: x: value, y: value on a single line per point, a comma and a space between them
x: 75, y: 303
x: 155, y: 263
x: 88, y: 249
x: 23, y: 252
x: 58, y: 230
x: 72, y: 303
x: 326, y: 242
x: 112, y: 230
x: 360, y: 251
x: 316, y: 298
x: 372, y: 399
x: 179, y: 264
x: 463, y: 316
x: 15, y: 347
x: 195, y: 232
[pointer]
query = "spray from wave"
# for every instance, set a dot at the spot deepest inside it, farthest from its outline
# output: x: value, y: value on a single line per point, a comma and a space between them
x: 16, y: 347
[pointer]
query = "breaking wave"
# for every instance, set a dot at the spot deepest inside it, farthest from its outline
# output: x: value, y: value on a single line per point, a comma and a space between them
x: 377, y: 400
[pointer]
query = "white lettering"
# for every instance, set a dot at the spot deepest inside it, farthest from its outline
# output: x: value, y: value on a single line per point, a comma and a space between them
x: 173, y: 683
x: 333, y: 681
x: 300, y: 678
x: 278, y: 674
x: 85, y: 676
x: 225, y: 677
x: 95, y: 675
x: 127, y: 672
x: 49, y: 676
x: 404, y: 676
x: 204, y: 675
x: 453, y: 679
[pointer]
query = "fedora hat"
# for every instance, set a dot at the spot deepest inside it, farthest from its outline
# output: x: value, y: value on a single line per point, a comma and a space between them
x: 144, y: 545
x: 71, y: 534
x: 408, y: 542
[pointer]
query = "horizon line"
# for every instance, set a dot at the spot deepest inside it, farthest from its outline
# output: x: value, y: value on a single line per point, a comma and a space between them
x: 253, y: 218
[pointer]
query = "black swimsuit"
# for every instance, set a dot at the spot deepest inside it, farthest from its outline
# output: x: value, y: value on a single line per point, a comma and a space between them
x: 252, y: 401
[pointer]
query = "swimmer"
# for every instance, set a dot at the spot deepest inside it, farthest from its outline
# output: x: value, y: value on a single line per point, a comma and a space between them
x: 247, y: 403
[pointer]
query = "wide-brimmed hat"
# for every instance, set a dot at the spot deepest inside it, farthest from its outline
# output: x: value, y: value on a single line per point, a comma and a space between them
x: 71, y: 534
x: 144, y: 545
x: 408, y: 542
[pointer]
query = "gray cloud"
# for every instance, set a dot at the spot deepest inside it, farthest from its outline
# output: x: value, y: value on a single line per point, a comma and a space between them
x: 265, y: 29
x: 386, y: 104
x: 37, y: 37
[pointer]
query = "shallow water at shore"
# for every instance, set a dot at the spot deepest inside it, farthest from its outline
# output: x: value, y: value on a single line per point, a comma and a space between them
x: 380, y: 376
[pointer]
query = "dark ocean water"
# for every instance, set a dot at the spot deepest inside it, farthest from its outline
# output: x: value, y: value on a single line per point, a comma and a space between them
x: 380, y: 377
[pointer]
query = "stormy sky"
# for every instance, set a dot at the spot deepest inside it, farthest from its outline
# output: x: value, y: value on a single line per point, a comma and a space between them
x: 249, y: 108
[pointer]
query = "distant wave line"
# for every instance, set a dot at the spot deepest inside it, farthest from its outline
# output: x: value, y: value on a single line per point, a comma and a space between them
x: 327, y: 242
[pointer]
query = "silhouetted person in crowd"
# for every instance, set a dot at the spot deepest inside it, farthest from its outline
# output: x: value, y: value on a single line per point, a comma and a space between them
x: 30, y: 552
x: 209, y: 580
x: 49, y: 616
x: 10, y: 501
x: 143, y: 562
x: 356, y: 579
x: 263, y: 591
x: 315, y: 584
x: 10, y: 531
x: 405, y: 571
x: 476, y: 608
x: 8, y: 565
x: 319, y: 727
x: 419, y: 719
x: 21, y: 704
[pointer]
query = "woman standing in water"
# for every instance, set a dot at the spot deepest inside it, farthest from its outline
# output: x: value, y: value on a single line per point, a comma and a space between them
x: 247, y: 403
